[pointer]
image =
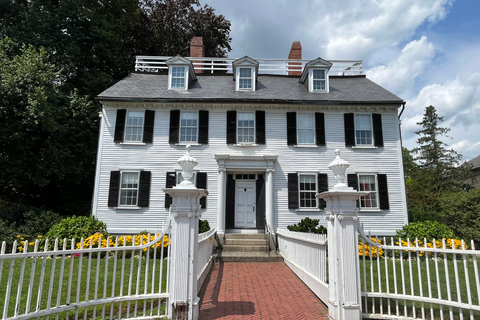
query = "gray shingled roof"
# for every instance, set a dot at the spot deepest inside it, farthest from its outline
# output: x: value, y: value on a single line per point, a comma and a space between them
x: 269, y: 88
x: 475, y: 162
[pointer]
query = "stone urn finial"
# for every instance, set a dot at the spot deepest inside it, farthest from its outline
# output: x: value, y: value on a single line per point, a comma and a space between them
x: 187, y: 162
x: 339, y: 166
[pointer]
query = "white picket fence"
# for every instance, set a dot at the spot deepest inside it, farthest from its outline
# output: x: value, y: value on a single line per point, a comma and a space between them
x: 417, y: 280
x: 205, y: 251
x: 306, y: 255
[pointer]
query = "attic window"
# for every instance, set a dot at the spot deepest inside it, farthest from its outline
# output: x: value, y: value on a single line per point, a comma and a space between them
x: 245, y: 79
x: 318, y: 80
x: 177, y: 77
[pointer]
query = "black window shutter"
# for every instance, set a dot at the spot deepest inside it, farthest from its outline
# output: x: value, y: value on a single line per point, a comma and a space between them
x: 349, y: 122
x: 231, y: 127
x: 144, y: 188
x: 202, y: 184
x: 383, y: 191
x: 292, y: 191
x: 170, y: 182
x: 260, y: 207
x: 174, y: 126
x: 322, y: 187
x: 352, y: 181
x: 320, y: 128
x: 291, y: 128
x: 203, y: 126
x: 114, y: 188
x: 120, y: 125
x: 148, y: 126
x: 230, y: 203
x: 377, y: 129
x: 260, y: 127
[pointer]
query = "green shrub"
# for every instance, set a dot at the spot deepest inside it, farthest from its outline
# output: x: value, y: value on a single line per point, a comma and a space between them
x: 203, y: 226
x: 425, y: 230
x: 75, y: 228
x: 308, y: 225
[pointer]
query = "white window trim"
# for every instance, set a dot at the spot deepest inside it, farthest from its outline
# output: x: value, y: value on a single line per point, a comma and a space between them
x: 310, y: 80
x: 170, y: 76
x: 247, y: 144
x: 237, y: 78
x: 314, y: 143
x: 369, y: 209
x: 126, y: 206
x: 300, y: 208
x: 132, y: 142
x: 361, y: 145
x: 180, y: 129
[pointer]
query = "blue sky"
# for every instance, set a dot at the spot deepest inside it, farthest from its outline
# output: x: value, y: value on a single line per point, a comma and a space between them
x: 425, y: 51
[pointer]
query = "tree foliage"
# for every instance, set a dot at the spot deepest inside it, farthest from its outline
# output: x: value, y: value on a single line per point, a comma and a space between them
x: 308, y: 225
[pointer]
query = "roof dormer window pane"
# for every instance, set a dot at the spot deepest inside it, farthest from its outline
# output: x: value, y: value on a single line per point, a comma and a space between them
x: 245, y: 78
x: 178, y: 77
x: 319, y: 80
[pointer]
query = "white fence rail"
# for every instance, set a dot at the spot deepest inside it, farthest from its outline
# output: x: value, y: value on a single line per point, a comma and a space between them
x: 122, y: 277
x: 266, y: 66
x: 306, y: 255
x: 205, y: 250
x: 419, y: 280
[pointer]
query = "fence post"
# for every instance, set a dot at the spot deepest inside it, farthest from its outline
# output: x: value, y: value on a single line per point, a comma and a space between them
x: 342, y: 222
x: 185, y: 208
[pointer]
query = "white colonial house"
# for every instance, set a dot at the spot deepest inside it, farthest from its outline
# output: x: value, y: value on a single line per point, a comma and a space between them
x: 263, y: 132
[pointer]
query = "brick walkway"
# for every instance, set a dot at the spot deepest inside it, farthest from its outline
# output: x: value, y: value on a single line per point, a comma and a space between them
x: 257, y: 291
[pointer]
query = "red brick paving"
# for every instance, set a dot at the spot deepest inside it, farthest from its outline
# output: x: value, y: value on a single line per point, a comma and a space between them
x: 257, y: 290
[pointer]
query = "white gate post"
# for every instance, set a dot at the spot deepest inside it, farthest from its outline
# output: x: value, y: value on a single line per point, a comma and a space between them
x: 185, y: 208
x: 343, y: 265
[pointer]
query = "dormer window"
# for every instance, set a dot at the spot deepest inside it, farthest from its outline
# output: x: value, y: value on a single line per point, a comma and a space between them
x: 245, y: 72
x: 316, y: 72
x: 180, y: 73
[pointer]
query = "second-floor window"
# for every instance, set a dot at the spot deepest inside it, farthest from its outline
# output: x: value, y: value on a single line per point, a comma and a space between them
x: 363, y: 129
x: 246, y: 127
x: 134, y: 126
x: 305, y: 128
x: 189, y: 126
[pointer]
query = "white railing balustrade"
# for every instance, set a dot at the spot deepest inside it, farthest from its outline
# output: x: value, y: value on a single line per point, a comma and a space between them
x: 205, y: 251
x: 412, y: 279
x: 121, y: 277
x: 266, y: 66
x: 306, y: 255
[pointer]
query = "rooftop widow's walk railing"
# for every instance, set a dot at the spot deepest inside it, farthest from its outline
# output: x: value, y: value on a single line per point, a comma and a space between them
x: 266, y: 66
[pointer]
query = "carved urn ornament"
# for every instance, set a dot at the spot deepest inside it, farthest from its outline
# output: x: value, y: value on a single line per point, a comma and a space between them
x: 339, y: 166
x: 187, y: 162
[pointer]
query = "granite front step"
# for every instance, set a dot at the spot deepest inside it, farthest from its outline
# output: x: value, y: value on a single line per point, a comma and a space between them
x: 249, y: 236
x: 271, y: 256
x: 246, y: 242
x: 243, y: 248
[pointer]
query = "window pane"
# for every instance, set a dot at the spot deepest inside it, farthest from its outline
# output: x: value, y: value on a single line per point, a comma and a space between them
x: 318, y: 85
x: 245, y: 84
x: 245, y: 72
x: 308, y: 190
x: 188, y: 126
x: 178, y: 83
x: 305, y: 128
x: 246, y: 127
x: 363, y: 129
x: 318, y: 74
x: 129, y: 189
x: 367, y: 183
x: 134, y: 126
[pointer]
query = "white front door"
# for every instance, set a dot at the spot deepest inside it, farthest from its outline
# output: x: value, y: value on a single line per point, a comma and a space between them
x: 245, y: 210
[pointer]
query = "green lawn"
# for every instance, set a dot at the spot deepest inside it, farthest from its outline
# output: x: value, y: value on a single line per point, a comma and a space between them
x: 107, y: 282
x: 415, y: 279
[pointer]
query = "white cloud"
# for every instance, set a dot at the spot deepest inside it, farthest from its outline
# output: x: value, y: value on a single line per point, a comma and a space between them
x: 399, y: 75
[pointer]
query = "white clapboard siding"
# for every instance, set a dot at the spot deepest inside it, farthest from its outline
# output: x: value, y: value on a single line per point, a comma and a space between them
x: 161, y: 157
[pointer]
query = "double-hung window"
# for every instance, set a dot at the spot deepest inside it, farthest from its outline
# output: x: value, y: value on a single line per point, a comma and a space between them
x: 245, y: 79
x: 178, y: 78
x: 319, y: 80
x: 129, y: 188
x: 305, y: 128
x: 307, y: 189
x: 368, y: 183
x: 189, y: 126
x: 246, y: 127
x: 363, y: 129
x: 134, y: 126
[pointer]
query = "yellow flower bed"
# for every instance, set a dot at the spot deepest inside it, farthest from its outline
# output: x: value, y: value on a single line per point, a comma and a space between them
x: 137, y: 240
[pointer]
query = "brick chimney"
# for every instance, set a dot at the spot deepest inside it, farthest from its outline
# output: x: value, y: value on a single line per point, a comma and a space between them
x: 295, y: 54
x: 197, y: 50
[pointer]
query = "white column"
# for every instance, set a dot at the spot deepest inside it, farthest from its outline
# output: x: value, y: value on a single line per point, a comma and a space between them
x: 269, y: 198
x: 221, y: 198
